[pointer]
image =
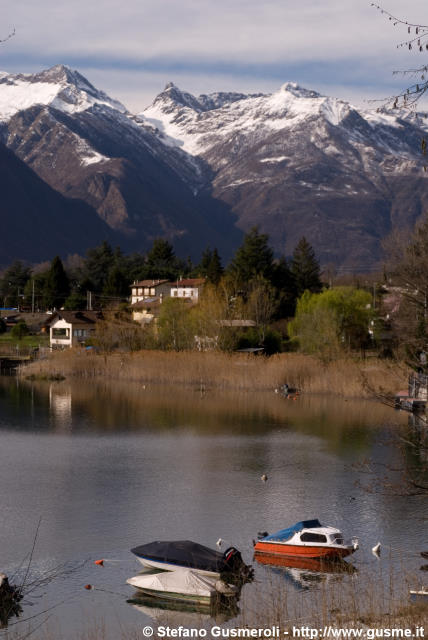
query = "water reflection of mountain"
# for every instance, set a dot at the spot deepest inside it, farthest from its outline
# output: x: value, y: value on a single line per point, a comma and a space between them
x: 133, y: 408
x: 305, y: 573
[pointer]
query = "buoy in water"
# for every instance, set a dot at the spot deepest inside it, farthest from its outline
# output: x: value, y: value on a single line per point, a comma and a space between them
x: 88, y: 586
x: 99, y: 562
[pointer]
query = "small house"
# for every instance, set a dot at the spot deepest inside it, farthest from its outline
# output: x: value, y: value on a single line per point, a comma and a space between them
x: 187, y: 288
x: 144, y: 311
x: 72, y: 328
x: 149, y: 289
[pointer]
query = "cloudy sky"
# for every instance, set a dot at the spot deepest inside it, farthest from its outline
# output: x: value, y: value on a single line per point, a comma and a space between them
x: 132, y: 48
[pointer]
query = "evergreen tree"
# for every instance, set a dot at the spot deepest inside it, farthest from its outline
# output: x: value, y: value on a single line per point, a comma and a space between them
x: 161, y: 261
x: 285, y: 286
x: 77, y: 300
x: 13, y: 282
x: 57, y: 286
x: 305, y: 268
x: 215, y: 268
x: 117, y: 283
x: 98, y: 263
x: 253, y: 258
x: 210, y: 266
x: 35, y: 284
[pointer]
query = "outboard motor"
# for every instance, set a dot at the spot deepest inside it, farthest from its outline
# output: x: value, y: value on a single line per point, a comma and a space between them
x: 236, y: 567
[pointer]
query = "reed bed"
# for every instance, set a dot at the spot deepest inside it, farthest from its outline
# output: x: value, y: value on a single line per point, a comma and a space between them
x: 346, y: 377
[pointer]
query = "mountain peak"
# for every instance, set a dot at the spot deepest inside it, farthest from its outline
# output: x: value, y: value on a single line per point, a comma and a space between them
x: 298, y: 91
x: 172, y: 96
x: 59, y: 86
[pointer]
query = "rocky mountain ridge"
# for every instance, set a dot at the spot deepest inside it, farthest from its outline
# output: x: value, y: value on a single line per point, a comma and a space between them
x: 200, y: 170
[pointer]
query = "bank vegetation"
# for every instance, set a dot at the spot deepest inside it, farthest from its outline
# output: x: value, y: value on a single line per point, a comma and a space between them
x: 234, y: 371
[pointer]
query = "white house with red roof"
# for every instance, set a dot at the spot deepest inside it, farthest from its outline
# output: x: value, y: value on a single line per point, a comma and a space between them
x: 145, y: 289
x: 187, y: 288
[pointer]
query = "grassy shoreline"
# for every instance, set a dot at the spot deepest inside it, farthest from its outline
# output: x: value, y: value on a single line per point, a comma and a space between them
x: 351, y: 378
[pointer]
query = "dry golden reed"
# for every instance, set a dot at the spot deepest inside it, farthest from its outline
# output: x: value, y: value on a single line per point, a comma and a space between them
x: 240, y: 372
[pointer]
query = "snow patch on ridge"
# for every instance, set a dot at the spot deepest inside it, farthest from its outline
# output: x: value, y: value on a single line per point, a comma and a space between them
x: 278, y: 159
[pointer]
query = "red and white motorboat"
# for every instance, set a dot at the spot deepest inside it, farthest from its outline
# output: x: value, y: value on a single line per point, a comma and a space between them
x: 307, y: 539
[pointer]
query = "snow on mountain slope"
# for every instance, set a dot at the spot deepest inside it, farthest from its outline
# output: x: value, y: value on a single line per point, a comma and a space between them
x: 294, y: 162
x: 299, y: 163
x: 198, y: 124
x: 89, y: 148
x: 59, y: 87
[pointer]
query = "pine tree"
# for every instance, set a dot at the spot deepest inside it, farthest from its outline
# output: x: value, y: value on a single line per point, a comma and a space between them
x: 215, y: 268
x: 253, y: 258
x: 98, y: 263
x: 285, y: 286
x: 161, y: 261
x: 305, y: 268
x: 56, y: 287
x: 210, y: 266
x: 13, y: 282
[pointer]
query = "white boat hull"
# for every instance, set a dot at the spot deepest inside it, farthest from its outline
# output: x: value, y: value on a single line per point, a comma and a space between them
x: 183, y: 585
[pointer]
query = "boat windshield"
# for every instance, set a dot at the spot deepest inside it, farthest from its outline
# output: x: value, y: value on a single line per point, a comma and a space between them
x: 337, y: 538
x: 308, y: 536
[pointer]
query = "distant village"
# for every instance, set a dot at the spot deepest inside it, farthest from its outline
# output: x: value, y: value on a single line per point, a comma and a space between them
x: 259, y: 303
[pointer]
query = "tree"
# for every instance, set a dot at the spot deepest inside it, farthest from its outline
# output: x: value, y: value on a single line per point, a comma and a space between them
x: 56, y: 287
x: 285, y: 286
x: 408, y: 269
x: 19, y: 330
x: 175, y: 330
x: 329, y: 322
x: 33, y: 290
x: 77, y: 300
x: 261, y: 305
x: 97, y: 265
x: 253, y: 258
x: 117, y: 283
x: 13, y: 282
x: 161, y: 261
x: 210, y: 266
x: 305, y: 268
x: 416, y: 40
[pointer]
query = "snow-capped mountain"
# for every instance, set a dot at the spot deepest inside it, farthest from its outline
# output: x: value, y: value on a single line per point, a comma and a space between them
x: 58, y: 87
x: 200, y: 170
x: 88, y: 147
x: 299, y: 163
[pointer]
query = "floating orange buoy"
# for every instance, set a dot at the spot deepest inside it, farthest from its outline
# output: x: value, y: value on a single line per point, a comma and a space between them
x: 88, y: 586
x: 99, y: 562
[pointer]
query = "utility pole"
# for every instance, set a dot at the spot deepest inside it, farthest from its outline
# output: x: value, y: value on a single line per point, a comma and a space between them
x: 89, y: 301
x: 32, y: 298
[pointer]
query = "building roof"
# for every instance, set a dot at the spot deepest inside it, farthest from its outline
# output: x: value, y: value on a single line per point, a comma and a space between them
x: 148, y: 283
x: 76, y: 317
x: 188, y: 282
x: 147, y: 303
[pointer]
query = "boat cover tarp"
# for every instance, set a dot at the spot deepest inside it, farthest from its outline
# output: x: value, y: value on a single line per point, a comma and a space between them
x: 183, y: 553
x: 286, y: 534
x: 184, y: 582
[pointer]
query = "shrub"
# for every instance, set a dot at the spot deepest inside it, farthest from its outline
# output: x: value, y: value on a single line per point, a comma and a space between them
x: 20, y: 330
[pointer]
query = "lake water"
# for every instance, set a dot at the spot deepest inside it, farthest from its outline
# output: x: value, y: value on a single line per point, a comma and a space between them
x: 108, y: 467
